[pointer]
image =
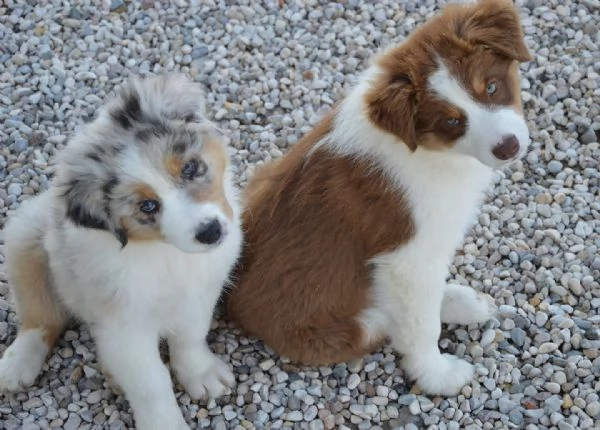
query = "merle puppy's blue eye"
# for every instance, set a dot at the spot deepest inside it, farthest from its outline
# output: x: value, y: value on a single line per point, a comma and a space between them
x: 149, y: 207
x: 192, y: 169
x: 453, y: 122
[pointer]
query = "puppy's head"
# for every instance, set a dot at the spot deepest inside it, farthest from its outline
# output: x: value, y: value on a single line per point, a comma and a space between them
x: 150, y: 167
x: 454, y: 84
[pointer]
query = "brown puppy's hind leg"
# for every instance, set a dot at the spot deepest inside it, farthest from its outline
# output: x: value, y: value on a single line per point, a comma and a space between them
x: 324, y: 340
x: 326, y: 345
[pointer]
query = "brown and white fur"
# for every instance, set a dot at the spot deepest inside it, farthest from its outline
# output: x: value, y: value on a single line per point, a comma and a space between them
x: 350, y: 235
x: 136, y: 237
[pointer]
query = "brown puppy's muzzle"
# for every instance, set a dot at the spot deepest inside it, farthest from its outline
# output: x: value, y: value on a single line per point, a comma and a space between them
x: 507, y: 149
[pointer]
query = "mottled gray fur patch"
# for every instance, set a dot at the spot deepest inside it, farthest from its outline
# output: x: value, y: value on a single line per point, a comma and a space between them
x: 155, y: 117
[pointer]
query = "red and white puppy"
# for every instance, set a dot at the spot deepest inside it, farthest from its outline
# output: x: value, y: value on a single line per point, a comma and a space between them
x: 350, y: 235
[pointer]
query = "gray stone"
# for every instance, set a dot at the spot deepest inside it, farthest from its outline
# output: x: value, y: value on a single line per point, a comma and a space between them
x: 553, y: 404
x: 199, y: 52
x: 293, y: 416
x: 73, y: 422
x: 506, y: 405
x: 516, y: 417
x: 589, y: 136
x: 353, y: 381
x: 20, y: 145
x: 555, y: 166
x: 15, y: 189
x: 116, y: 5
x: 593, y: 409
x: 518, y: 336
x: 535, y: 414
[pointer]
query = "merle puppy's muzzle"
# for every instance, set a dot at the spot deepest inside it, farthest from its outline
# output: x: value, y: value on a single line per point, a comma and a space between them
x: 210, y: 233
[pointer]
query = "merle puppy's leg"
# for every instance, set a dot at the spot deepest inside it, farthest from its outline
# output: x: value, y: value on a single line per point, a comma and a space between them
x: 198, y: 369
x: 131, y: 356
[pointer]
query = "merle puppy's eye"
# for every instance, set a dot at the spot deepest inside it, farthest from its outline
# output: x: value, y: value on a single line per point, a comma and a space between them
x: 192, y: 169
x: 191, y: 117
x: 492, y: 87
x: 453, y: 122
x: 149, y: 207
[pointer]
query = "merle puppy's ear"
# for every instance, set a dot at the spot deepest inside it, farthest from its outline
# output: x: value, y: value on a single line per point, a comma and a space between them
x: 170, y: 96
x: 126, y: 110
x: 495, y: 25
x: 87, y: 201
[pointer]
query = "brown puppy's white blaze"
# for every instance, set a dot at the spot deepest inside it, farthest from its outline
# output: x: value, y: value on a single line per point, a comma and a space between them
x: 349, y: 235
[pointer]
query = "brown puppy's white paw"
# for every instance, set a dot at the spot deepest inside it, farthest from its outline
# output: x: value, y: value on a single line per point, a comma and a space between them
x: 464, y: 305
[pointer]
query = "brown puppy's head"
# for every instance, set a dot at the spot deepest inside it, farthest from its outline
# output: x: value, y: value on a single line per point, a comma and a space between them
x: 454, y: 84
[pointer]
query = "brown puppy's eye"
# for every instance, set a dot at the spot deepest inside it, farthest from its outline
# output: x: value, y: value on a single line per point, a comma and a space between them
x: 492, y: 87
x: 453, y: 122
x: 149, y: 207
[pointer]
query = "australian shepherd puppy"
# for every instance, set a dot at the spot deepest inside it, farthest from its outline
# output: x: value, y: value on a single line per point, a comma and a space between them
x: 136, y: 237
x: 350, y: 235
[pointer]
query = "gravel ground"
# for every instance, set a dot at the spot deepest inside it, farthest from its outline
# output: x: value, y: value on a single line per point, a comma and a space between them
x: 270, y: 73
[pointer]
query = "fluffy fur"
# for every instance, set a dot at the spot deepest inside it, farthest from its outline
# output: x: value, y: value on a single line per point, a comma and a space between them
x: 350, y: 235
x: 136, y: 237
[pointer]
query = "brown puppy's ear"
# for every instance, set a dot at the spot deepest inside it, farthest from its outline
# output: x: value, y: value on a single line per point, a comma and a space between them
x: 495, y: 25
x: 392, y: 106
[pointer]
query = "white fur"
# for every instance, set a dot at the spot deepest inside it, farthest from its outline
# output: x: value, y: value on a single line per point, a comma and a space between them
x: 486, y: 126
x: 464, y: 305
x: 22, y: 360
x: 131, y: 297
x: 131, y: 292
x: 444, y: 190
x: 182, y: 217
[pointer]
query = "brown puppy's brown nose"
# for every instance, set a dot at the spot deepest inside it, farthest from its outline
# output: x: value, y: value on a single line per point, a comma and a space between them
x: 507, y: 149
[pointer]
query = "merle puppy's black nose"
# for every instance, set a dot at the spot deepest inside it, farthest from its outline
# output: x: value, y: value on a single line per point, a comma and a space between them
x: 507, y: 149
x: 210, y: 233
